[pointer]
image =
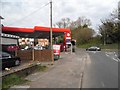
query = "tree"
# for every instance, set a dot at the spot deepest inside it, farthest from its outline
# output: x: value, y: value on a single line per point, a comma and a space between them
x: 63, y: 23
x: 83, y: 22
x: 79, y: 28
x: 109, y: 30
x: 67, y: 23
x: 82, y: 35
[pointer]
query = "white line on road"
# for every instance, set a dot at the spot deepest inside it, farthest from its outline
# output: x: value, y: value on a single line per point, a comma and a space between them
x: 112, y: 55
x: 116, y: 55
x: 115, y: 59
x: 103, y: 85
x: 107, y: 55
x: 17, y: 87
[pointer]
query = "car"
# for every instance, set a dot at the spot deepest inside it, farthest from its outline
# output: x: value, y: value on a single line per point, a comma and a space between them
x: 8, y: 60
x: 35, y: 48
x: 93, y: 48
x: 38, y: 47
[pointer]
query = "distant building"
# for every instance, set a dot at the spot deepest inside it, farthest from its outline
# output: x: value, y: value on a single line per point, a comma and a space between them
x: 8, y: 39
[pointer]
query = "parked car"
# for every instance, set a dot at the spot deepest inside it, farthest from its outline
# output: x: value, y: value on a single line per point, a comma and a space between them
x: 93, y: 48
x: 38, y: 47
x: 8, y: 60
x: 35, y: 48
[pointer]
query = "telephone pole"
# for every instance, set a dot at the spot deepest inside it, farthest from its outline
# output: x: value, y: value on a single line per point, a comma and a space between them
x: 1, y: 29
x: 51, y: 45
x: 51, y: 25
x: 118, y: 29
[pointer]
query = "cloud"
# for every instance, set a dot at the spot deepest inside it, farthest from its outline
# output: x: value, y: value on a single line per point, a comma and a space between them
x: 14, y: 10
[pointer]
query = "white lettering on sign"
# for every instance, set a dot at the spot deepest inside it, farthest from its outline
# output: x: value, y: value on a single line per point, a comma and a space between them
x: 56, y: 47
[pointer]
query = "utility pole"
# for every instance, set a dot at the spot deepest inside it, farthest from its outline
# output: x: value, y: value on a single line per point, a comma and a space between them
x: 118, y: 29
x: 0, y: 29
x: 51, y: 45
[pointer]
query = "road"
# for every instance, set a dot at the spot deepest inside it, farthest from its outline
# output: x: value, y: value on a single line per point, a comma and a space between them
x: 101, y: 70
x: 78, y: 70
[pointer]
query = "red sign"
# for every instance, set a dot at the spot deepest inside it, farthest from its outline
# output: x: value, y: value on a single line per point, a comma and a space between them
x: 56, y: 49
x: 68, y: 38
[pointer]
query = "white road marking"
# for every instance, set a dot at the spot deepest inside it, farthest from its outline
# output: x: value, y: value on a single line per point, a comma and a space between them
x: 115, y: 59
x: 112, y: 55
x: 19, y: 87
x: 116, y: 55
x: 103, y: 85
x: 107, y: 55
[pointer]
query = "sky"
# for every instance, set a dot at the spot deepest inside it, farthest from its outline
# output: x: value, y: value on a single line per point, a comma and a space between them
x: 30, y: 13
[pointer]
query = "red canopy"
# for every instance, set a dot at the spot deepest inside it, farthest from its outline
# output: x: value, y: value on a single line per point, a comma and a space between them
x: 38, y: 28
x: 37, y: 31
x: 15, y: 29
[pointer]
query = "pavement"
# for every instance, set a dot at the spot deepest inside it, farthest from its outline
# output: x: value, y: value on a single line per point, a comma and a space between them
x: 65, y: 73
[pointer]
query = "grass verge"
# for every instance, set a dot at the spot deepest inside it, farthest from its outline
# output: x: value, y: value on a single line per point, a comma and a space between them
x: 12, y: 80
x: 107, y: 46
x: 42, y: 68
x: 15, y: 79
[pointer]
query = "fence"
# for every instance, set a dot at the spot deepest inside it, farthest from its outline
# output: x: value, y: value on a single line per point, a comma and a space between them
x: 36, y: 55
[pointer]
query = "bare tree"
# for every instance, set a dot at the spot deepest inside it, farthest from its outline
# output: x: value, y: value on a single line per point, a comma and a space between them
x: 64, y: 23
x: 81, y: 21
x: 59, y: 24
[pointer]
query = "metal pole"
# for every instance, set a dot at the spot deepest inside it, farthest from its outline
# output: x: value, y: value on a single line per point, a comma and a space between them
x: 51, y: 45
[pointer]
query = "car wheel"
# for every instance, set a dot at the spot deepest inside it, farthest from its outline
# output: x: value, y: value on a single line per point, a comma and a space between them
x: 17, y: 62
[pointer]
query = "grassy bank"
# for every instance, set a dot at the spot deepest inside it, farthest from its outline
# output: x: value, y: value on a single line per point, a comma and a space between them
x: 107, y: 46
x: 15, y: 79
x: 12, y: 80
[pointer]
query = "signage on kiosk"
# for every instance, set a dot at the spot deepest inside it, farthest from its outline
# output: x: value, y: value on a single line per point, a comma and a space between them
x: 68, y: 38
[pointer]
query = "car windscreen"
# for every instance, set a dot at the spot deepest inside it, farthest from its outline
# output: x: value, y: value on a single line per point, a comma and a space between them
x: 4, y: 55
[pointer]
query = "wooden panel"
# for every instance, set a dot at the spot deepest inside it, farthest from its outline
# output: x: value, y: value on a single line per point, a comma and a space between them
x: 39, y: 55
x: 25, y: 54
x: 43, y: 55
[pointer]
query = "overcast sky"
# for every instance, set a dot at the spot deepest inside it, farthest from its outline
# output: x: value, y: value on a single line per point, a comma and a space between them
x: 15, y: 11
